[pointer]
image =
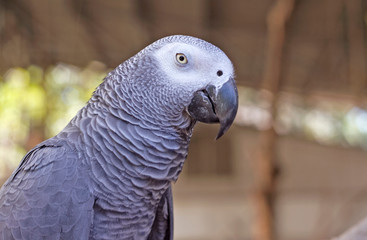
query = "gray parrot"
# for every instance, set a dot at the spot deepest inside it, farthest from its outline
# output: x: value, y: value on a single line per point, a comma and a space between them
x: 108, y: 173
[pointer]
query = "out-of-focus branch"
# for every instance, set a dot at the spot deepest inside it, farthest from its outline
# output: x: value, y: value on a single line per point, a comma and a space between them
x: 265, y: 165
x: 276, y: 22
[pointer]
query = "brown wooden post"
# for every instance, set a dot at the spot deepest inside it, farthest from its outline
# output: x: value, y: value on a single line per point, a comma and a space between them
x: 265, y: 166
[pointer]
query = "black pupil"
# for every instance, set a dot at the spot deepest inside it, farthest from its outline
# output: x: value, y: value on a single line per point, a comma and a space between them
x: 182, y: 58
x: 219, y: 73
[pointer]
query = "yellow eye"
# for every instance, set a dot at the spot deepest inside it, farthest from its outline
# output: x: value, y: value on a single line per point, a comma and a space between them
x: 181, y: 58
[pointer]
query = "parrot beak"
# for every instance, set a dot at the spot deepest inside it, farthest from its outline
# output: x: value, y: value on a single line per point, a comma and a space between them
x: 213, y: 105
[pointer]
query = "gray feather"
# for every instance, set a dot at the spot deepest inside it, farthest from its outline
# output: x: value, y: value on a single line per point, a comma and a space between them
x: 47, y: 196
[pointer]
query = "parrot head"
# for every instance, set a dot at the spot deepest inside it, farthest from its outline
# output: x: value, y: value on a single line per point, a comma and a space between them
x: 205, y: 74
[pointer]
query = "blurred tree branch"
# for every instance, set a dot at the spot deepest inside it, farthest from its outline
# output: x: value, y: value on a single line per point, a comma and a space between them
x: 266, y: 169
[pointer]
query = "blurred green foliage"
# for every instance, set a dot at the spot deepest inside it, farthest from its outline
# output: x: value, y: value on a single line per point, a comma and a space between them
x: 36, y: 104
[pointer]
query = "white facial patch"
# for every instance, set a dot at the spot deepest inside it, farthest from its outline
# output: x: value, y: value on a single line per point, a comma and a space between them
x: 201, y: 68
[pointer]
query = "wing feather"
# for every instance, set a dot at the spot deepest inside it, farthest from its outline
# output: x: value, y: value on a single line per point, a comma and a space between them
x: 47, y: 197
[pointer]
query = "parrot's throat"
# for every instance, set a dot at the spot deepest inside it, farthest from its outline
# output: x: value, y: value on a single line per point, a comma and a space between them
x: 121, y: 150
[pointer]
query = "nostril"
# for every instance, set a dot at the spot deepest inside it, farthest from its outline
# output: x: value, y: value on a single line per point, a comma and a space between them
x: 219, y: 73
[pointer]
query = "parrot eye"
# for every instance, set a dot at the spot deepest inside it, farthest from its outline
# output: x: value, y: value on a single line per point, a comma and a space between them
x: 181, y: 58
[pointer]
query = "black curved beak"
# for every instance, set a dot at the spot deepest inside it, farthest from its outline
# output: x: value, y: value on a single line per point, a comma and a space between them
x: 213, y: 105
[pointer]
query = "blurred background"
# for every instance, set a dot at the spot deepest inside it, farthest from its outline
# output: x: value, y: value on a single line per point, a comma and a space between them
x: 294, y: 165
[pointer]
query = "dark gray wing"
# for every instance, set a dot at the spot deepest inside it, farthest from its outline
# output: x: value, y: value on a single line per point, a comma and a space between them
x: 47, y: 197
x: 163, y: 223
